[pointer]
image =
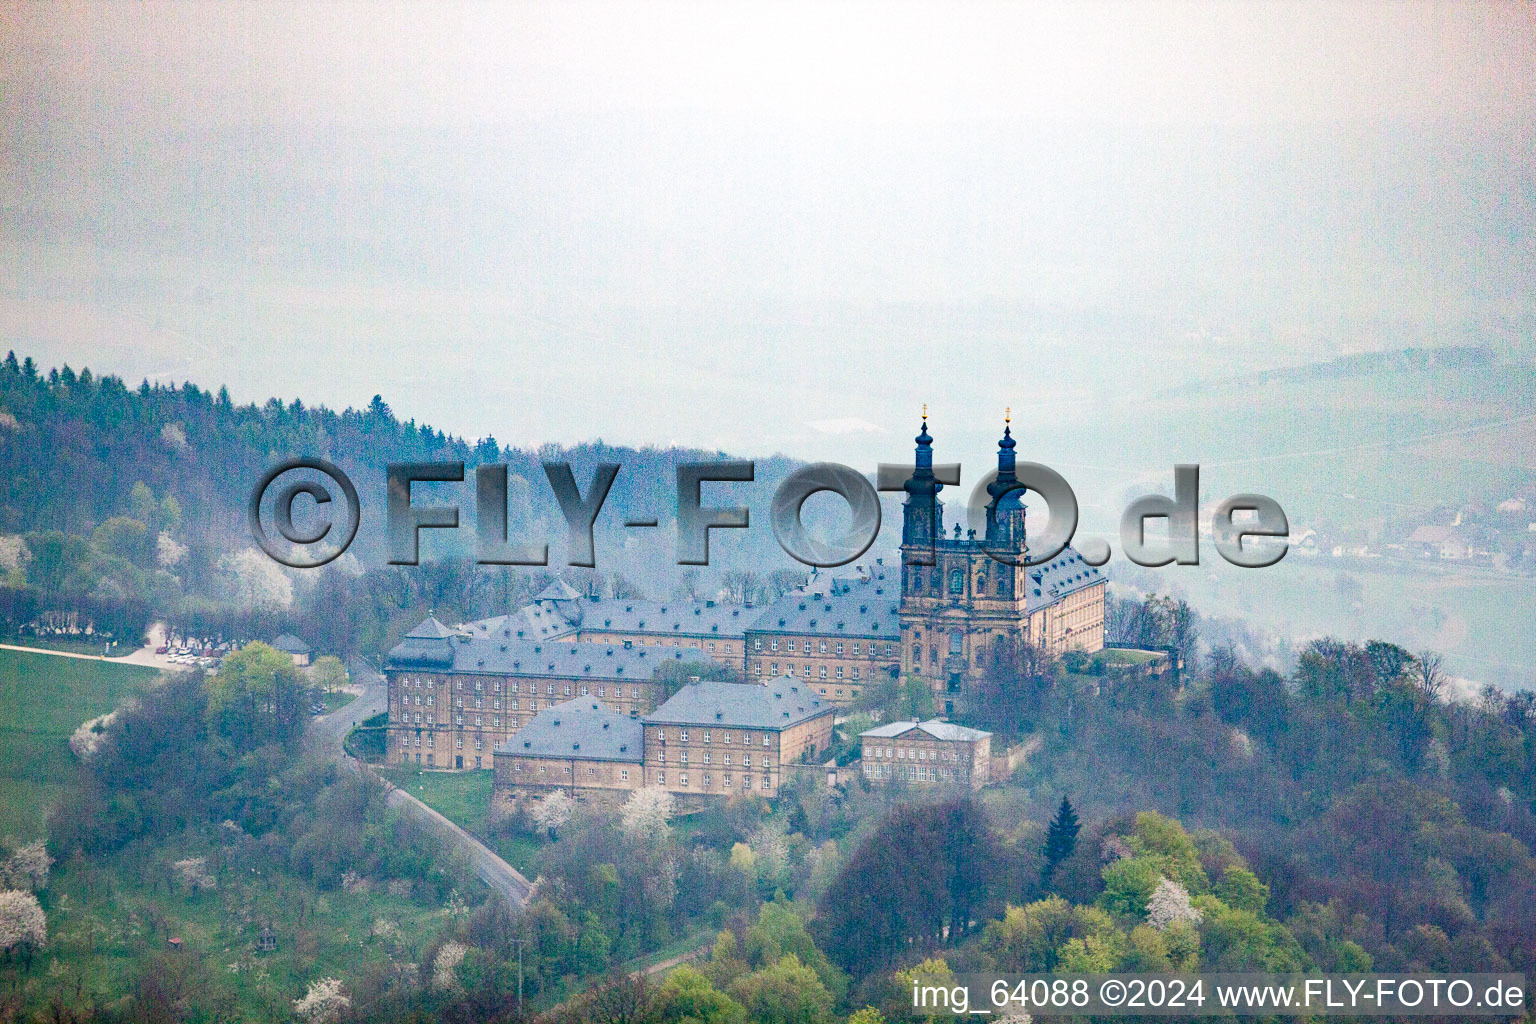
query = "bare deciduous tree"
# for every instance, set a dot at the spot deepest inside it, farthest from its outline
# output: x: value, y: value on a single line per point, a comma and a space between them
x: 1429, y: 674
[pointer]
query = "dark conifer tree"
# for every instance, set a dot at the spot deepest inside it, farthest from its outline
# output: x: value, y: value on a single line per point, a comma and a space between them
x: 1061, y: 840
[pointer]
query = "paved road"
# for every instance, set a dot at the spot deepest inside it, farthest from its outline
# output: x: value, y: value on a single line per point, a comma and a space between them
x: 698, y: 953
x: 493, y: 871
x: 330, y: 732
x: 332, y: 729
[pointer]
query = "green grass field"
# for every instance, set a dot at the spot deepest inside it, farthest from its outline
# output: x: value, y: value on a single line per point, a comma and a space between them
x: 464, y: 798
x: 43, y: 699
x: 336, y: 700
x: 1125, y: 656
x: 108, y: 924
x: 109, y: 919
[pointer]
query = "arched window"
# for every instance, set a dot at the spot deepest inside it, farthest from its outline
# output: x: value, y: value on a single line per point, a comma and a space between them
x: 957, y: 581
x: 956, y: 641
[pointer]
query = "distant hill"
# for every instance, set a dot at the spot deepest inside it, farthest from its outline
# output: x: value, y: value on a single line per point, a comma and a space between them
x: 99, y: 477
x: 1476, y: 361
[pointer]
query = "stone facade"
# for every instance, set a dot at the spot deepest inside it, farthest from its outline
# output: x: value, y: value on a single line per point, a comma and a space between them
x: 926, y: 754
x: 710, y: 740
x: 581, y: 746
x: 961, y: 595
x: 456, y: 693
x: 454, y: 696
x: 834, y: 636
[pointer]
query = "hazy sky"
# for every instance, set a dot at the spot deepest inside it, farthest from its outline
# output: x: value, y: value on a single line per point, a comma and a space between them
x: 759, y: 227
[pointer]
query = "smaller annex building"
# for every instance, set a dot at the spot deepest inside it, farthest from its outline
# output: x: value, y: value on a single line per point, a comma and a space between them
x: 926, y: 753
x: 579, y: 746
x: 710, y: 739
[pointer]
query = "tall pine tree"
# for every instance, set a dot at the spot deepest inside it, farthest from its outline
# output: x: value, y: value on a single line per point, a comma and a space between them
x: 1061, y: 840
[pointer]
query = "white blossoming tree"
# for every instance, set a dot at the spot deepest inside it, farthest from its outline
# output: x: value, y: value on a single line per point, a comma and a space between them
x: 252, y: 580
x: 193, y: 873
x: 168, y: 553
x: 646, y: 813
x: 445, y: 966
x: 26, y: 866
x: 553, y: 811
x: 324, y: 1003
x: 1170, y: 904
x: 22, y: 924
x: 87, y: 739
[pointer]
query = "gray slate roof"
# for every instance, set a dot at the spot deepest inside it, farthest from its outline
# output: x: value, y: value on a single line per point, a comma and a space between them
x: 290, y: 644
x: 740, y: 705
x: 662, y: 618
x: 1065, y: 574
x: 935, y: 728
x: 428, y: 646
x: 530, y: 622
x: 581, y: 728
x: 558, y: 590
x: 430, y: 629
x: 836, y: 607
x: 474, y: 655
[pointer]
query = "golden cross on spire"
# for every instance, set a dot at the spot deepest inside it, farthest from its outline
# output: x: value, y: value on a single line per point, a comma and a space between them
x: 1008, y: 414
x: 925, y: 410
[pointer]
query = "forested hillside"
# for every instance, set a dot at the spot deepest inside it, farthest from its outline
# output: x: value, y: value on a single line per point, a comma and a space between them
x: 129, y: 503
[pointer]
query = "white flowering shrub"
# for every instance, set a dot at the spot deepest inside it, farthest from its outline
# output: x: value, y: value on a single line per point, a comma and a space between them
x: 1170, y: 904
x: 252, y: 580
x: 193, y: 873
x: 21, y: 921
x: 1242, y: 744
x: 168, y: 552
x: 26, y: 866
x: 324, y: 1003
x: 86, y: 740
x: 445, y: 967
x: 646, y: 813
x: 554, y: 810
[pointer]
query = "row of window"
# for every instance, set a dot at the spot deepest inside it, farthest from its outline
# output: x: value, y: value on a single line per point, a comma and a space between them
x: 747, y: 738
x: 746, y: 759
x: 565, y: 770
x: 914, y: 772
x: 805, y: 670
x: 407, y: 740
x: 746, y: 781
x: 821, y: 647
x: 479, y: 721
x: 706, y: 779
x: 513, y: 686
x: 1001, y: 584
x: 512, y: 703
x: 905, y: 754
x: 431, y: 762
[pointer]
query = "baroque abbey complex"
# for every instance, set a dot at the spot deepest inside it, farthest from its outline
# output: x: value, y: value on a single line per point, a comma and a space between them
x: 460, y: 696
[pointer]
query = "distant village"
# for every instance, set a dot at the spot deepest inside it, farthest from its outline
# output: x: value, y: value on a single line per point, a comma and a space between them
x: 1499, y: 536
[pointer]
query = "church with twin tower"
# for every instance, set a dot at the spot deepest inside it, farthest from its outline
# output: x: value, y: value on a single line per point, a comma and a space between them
x: 961, y: 594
